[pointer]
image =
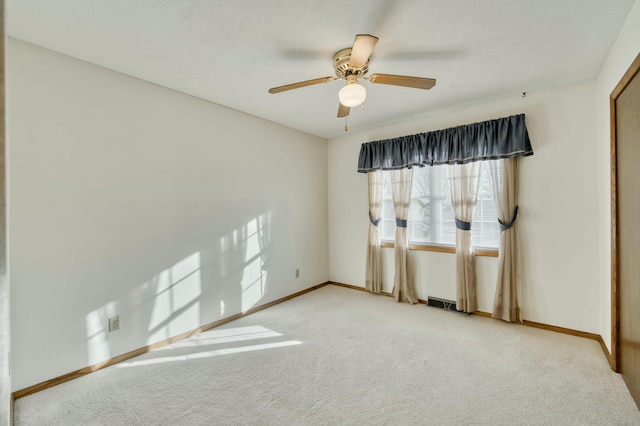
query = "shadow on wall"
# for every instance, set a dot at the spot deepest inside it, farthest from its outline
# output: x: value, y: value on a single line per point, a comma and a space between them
x: 228, y: 277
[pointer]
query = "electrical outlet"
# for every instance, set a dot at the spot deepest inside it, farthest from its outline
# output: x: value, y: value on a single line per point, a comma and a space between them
x: 114, y: 323
x: 297, y: 273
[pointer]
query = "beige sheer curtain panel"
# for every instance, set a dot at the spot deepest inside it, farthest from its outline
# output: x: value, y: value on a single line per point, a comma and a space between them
x: 506, y: 305
x: 403, y: 283
x: 463, y: 183
x: 373, y: 280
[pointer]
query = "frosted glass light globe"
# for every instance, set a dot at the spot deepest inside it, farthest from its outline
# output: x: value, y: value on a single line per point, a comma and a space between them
x: 352, y: 95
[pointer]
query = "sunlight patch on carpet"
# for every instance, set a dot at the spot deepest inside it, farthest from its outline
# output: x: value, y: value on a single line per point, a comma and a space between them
x: 208, y: 354
x: 214, y: 337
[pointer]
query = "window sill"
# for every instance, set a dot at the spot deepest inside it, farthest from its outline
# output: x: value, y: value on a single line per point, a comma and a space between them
x: 442, y: 249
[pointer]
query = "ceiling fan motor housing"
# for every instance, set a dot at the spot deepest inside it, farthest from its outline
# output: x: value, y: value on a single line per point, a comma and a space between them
x: 342, y: 67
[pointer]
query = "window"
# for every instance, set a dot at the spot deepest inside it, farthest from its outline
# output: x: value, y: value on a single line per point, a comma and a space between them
x: 431, y: 220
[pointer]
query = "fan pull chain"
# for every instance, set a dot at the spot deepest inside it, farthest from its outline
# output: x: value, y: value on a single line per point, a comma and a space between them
x: 346, y: 125
x: 362, y: 107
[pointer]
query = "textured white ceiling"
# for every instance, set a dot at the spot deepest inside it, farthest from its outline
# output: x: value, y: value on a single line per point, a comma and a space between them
x: 232, y: 52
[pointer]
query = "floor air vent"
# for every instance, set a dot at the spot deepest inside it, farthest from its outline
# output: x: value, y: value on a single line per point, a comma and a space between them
x: 447, y: 305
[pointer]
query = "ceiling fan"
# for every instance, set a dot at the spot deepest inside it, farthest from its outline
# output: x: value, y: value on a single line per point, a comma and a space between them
x: 352, y: 64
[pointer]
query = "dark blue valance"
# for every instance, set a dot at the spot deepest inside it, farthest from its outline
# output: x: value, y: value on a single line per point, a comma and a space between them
x: 489, y: 140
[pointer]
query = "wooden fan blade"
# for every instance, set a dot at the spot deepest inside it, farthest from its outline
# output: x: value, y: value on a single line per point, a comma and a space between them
x: 362, y: 47
x: 300, y: 84
x: 343, y: 111
x: 403, y: 80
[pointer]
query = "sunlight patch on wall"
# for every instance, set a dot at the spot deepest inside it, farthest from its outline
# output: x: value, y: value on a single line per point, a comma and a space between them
x: 244, y: 262
x: 176, y: 305
x: 254, y: 278
x: 98, y: 348
x: 164, y: 306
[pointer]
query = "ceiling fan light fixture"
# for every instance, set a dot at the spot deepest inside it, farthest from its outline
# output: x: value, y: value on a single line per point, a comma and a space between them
x: 352, y: 64
x: 352, y: 94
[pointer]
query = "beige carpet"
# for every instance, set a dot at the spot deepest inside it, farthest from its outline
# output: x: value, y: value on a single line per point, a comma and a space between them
x: 337, y: 356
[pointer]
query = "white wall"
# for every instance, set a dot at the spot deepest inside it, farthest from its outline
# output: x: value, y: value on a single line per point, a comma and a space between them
x: 622, y: 54
x: 5, y: 337
x: 128, y: 198
x: 558, y: 215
